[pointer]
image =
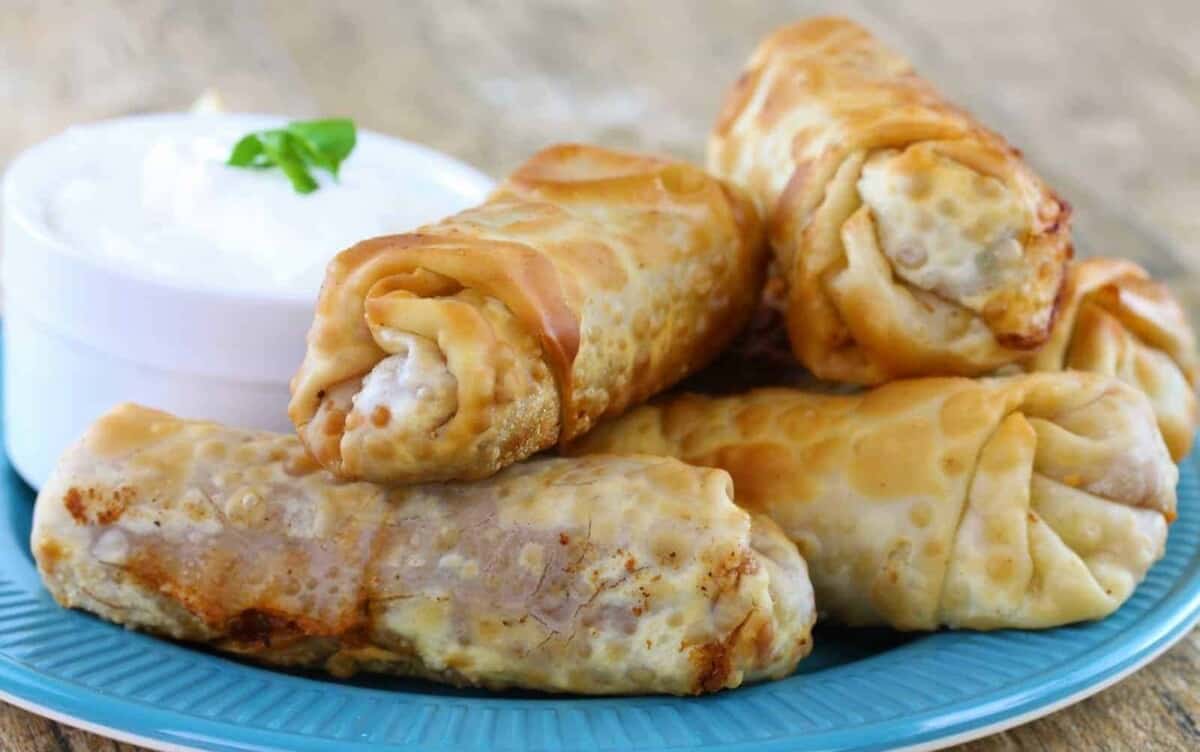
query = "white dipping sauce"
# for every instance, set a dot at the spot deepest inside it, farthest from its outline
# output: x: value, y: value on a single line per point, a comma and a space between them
x: 138, y: 266
x: 156, y: 199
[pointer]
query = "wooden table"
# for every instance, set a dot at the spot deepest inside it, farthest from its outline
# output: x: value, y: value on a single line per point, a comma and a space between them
x: 1104, y: 97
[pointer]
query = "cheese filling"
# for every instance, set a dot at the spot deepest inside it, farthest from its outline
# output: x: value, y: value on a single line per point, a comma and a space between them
x: 944, y: 227
x: 413, y: 386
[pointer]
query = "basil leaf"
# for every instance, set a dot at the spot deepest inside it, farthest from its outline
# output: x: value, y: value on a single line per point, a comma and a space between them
x: 311, y: 156
x: 323, y: 144
x: 327, y: 143
x: 281, y: 149
x: 245, y: 151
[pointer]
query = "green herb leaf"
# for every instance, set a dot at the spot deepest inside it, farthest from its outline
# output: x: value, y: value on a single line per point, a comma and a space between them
x: 282, y: 152
x: 328, y: 141
x: 246, y: 151
x: 323, y: 144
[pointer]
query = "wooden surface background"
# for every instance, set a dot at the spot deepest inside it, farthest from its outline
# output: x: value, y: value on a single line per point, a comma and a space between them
x: 1104, y: 97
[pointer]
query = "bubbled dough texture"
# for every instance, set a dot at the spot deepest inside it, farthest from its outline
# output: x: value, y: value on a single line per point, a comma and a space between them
x: 598, y: 575
x: 1118, y: 321
x: 864, y: 174
x: 1023, y: 502
x: 595, y: 276
x: 681, y: 275
x: 433, y: 426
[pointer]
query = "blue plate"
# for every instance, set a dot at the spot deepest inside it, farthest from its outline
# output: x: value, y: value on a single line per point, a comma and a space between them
x: 860, y: 690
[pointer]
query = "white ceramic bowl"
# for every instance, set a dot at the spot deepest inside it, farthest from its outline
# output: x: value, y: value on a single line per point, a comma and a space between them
x: 82, y: 334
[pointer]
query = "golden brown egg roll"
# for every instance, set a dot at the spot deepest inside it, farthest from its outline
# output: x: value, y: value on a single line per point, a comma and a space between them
x: 913, y: 240
x: 1118, y: 321
x: 1027, y: 502
x: 599, y: 575
x: 590, y: 280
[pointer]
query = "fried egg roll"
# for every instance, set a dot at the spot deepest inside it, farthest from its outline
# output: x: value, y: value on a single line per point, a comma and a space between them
x: 913, y: 241
x: 589, y: 281
x: 1026, y: 502
x: 597, y: 575
x: 1118, y: 321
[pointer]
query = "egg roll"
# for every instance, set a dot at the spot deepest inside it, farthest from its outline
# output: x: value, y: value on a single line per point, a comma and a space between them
x: 1118, y: 321
x: 913, y: 240
x: 590, y: 280
x: 1027, y: 502
x: 597, y: 575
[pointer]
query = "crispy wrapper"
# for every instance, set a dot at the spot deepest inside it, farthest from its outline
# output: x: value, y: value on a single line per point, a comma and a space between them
x: 1118, y: 321
x: 1026, y: 502
x: 589, y: 281
x: 596, y: 575
x: 913, y: 240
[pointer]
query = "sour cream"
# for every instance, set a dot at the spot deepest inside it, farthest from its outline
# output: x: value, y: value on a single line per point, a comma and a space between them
x: 153, y: 197
x: 138, y: 267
